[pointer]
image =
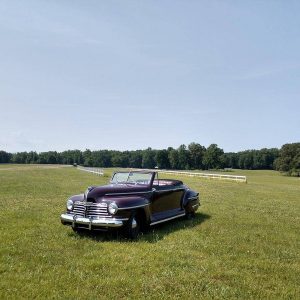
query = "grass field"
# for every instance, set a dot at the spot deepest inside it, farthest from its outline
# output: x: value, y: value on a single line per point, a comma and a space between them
x: 244, y: 242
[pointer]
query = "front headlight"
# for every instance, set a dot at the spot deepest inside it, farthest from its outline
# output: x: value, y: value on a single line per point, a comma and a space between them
x: 70, y: 204
x: 112, y: 208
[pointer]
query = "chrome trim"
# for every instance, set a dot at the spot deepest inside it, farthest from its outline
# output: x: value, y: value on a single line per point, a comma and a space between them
x: 127, y: 193
x: 193, y: 198
x: 100, y: 222
x: 164, y: 220
x: 134, y: 223
x: 73, y: 221
x: 90, y: 209
x: 90, y: 224
x: 173, y: 190
x: 101, y: 204
x: 131, y: 207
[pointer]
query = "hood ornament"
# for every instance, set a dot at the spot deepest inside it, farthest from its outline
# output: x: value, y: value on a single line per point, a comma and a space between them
x: 86, y: 192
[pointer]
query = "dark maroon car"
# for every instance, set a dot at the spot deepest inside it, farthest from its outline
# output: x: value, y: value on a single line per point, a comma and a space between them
x: 132, y: 201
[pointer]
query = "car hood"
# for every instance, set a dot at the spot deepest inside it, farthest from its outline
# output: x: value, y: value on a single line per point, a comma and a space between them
x: 100, y: 191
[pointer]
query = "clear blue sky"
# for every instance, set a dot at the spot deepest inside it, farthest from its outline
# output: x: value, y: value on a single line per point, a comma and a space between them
x: 132, y: 74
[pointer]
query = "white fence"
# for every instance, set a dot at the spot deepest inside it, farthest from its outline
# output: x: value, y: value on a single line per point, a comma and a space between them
x: 96, y: 171
x: 239, y: 178
x: 205, y: 175
x: 208, y: 175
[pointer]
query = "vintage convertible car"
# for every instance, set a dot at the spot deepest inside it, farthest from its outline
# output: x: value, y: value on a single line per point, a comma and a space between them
x: 132, y: 201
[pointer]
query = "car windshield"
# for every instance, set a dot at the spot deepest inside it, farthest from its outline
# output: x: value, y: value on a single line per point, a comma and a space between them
x: 132, y: 178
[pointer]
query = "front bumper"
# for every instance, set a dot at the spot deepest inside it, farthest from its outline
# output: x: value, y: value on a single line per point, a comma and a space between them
x: 91, y: 223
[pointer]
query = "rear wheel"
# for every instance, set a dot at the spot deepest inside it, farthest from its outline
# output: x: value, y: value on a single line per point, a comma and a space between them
x: 133, y: 227
x: 189, y: 214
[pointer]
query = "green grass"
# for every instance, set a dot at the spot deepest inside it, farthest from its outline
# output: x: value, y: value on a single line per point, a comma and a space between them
x: 243, y: 243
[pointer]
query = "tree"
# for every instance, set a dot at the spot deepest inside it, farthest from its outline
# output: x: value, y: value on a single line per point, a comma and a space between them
x: 148, y: 161
x: 161, y: 159
x: 50, y: 157
x: 87, y: 158
x: 5, y: 157
x: 173, y: 158
x: 183, y: 158
x: 231, y: 160
x: 248, y: 160
x: 196, y: 155
x: 116, y: 159
x: 212, y: 158
x: 289, y: 159
x: 19, y: 157
x: 101, y: 158
x: 32, y: 157
x: 135, y: 159
x: 264, y: 158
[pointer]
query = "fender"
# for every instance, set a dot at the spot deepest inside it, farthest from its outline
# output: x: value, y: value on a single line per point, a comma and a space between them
x: 79, y: 197
x: 190, y: 199
x: 129, y: 204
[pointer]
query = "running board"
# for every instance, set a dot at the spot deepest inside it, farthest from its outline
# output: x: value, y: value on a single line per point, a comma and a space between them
x: 164, y: 220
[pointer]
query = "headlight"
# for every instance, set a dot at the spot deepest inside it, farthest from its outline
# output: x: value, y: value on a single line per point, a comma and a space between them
x: 112, y: 208
x: 70, y: 204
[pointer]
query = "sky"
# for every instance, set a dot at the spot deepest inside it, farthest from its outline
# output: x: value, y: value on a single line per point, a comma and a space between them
x: 129, y: 75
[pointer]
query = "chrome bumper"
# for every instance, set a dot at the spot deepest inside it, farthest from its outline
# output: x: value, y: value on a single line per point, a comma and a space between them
x: 76, y: 221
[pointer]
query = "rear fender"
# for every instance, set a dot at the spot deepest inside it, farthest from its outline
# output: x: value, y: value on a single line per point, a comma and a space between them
x: 191, y: 201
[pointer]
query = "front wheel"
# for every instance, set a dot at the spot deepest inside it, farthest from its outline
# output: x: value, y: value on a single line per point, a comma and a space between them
x: 77, y: 230
x: 133, y: 228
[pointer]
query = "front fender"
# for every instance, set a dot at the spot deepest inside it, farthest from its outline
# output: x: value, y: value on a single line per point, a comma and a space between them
x: 75, y: 198
x: 130, y: 204
x: 127, y: 202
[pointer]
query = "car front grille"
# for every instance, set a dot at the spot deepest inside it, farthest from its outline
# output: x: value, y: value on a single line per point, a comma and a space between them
x: 88, y: 209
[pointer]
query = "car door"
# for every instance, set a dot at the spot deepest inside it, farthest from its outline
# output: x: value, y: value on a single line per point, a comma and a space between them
x: 166, y: 202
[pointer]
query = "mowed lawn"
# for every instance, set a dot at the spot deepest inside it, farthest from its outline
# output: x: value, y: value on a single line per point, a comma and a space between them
x: 244, y: 242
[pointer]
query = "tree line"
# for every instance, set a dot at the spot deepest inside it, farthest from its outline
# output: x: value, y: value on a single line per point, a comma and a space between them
x: 193, y: 156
